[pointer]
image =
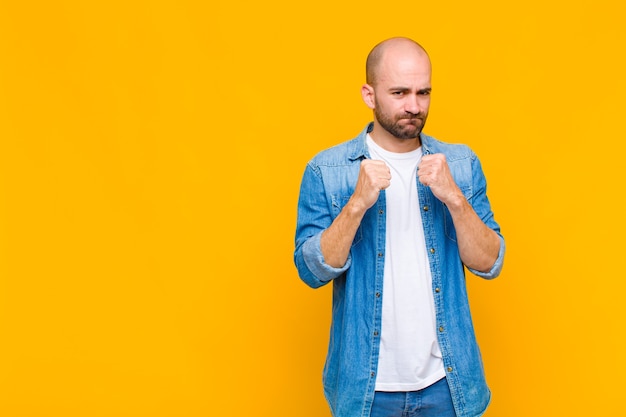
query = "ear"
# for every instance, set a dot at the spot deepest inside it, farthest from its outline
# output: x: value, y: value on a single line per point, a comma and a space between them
x: 367, y: 92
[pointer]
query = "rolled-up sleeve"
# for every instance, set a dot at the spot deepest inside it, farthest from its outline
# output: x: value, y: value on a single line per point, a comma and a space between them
x: 497, y: 266
x: 313, y: 270
x: 313, y: 218
x: 481, y: 205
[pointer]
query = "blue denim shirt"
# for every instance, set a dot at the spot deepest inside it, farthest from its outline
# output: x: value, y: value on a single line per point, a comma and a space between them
x: 351, y: 364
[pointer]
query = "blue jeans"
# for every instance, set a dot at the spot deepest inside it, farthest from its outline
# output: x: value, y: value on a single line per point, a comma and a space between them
x: 432, y: 401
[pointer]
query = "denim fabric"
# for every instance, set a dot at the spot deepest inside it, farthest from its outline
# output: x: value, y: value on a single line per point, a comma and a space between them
x: 351, y: 364
x: 432, y: 401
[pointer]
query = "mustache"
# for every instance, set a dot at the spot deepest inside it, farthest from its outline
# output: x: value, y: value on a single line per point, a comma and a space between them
x: 412, y: 116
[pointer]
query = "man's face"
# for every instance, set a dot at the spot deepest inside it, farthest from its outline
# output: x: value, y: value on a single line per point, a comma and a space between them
x: 402, y: 97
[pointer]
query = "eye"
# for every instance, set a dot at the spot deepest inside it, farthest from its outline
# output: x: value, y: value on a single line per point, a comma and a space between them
x: 424, y: 93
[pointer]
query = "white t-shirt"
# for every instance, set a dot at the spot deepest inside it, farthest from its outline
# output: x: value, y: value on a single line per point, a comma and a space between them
x: 410, y: 358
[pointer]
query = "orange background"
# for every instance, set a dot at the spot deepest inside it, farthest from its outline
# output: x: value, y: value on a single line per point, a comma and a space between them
x: 150, y: 159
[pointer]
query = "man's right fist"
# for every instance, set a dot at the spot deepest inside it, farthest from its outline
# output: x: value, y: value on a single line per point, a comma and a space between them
x: 373, y: 176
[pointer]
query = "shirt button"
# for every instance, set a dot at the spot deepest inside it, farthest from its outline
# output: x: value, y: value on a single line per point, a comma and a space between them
x: 437, y: 289
x: 425, y: 208
x: 432, y: 250
x: 449, y: 369
x: 377, y: 295
x: 375, y: 332
x: 372, y: 374
x: 380, y: 255
x: 441, y: 328
x: 381, y: 211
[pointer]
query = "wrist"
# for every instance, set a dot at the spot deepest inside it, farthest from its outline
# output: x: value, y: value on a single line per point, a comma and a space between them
x: 456, y: 202
x: 354, y: 208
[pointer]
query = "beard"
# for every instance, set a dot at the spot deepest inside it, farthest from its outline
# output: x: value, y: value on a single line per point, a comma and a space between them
x: 406, y: 126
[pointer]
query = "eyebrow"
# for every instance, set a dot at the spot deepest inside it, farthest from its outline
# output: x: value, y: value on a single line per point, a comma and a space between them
x: 421, y: 91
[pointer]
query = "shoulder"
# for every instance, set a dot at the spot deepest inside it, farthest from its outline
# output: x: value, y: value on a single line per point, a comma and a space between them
x: 337, y: 154
x: 452, y: 151
x: 345, y: 153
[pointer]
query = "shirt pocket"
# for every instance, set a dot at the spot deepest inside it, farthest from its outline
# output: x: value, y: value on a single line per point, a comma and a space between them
x: 338, y: 202
x: 462, y: 174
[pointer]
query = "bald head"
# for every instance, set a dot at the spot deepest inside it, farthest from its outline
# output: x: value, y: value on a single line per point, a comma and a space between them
x: 393, y: 48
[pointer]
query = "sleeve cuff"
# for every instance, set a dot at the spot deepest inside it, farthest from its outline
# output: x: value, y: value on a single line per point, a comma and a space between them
x: 497, y: 266
x: 314, y: 260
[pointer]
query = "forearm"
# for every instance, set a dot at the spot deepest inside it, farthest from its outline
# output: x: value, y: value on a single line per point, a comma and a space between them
x: 336, y: 241
x: 478, y: 244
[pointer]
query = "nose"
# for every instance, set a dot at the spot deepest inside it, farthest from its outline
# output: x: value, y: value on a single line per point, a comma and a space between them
x: 412, y: 104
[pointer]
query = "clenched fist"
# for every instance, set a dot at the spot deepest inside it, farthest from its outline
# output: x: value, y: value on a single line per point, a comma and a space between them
x: 434, y: 172
x: 373, y: 177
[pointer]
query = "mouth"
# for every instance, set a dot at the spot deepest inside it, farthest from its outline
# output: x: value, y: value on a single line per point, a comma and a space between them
x: 413, y: 120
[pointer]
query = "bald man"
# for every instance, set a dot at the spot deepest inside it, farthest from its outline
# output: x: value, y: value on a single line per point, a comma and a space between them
x: 391, y: 218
